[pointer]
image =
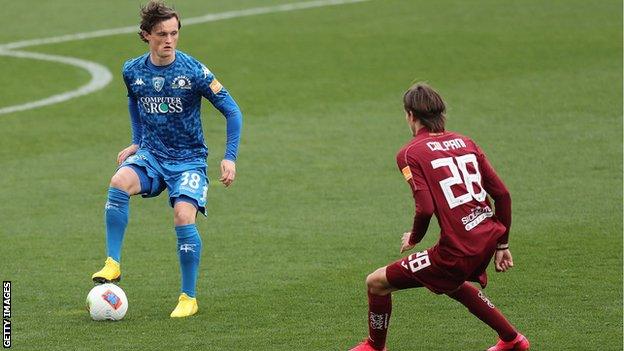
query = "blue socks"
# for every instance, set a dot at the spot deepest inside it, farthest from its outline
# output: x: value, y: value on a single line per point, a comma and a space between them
x: 189, y: 253
x: 116, y: 214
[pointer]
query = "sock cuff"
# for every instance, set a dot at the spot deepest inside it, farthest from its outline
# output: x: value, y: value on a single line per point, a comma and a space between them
x: 186, y: 231
x: 378, y: 300
x: 118, y: 196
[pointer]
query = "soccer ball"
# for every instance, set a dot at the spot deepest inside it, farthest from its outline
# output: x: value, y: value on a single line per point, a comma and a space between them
x: 107, y: 301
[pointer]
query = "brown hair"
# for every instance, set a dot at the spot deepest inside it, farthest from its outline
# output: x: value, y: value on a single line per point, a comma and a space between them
x: 153, y: 13
x: 425, y: 104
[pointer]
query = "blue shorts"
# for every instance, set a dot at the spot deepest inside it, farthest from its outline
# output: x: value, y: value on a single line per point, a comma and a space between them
x: 185, y: 181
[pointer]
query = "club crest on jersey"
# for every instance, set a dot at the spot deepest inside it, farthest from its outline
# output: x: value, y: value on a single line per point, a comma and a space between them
x: 181, y: 82
x: 158, y: 83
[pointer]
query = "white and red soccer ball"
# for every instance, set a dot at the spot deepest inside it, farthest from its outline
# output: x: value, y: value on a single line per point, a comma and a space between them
x: 107, y: 302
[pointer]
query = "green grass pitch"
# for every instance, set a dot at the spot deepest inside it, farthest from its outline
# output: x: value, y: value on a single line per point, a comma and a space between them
x: 318, y: 202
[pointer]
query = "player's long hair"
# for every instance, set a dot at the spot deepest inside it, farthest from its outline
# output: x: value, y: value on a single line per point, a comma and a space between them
x: 426, y: 104
x: 153, y: 13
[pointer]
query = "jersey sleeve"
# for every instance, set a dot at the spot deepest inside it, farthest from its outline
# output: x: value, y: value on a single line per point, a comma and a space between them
x: 127, y: 79
x: 133, y: 108
x: 495, y: 187
x: 135, y: 120
x: 423, y: 202
x: 210, y: 88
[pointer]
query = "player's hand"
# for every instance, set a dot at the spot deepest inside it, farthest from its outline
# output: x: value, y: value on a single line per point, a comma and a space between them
x: 503, y: 260
x: 405, y: 244
x: 127, y: 152
x: 228, y: 172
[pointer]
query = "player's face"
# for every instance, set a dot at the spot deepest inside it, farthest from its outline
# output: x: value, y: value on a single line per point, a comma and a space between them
x: 163, y: 39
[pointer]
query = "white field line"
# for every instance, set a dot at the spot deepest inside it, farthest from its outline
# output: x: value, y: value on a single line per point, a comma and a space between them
x: 100, y: 75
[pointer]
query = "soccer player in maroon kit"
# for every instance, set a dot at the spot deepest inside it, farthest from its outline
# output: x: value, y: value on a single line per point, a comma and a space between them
x: 450, y: 176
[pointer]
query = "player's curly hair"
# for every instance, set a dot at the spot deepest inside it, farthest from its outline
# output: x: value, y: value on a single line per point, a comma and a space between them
x: 153, y: 13
x: 426, y: 104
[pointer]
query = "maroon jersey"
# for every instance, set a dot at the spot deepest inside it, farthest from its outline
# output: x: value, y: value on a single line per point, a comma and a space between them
x: 450, y: 176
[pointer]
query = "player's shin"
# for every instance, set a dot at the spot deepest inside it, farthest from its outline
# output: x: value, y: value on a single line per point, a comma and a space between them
x: 189, y: 253
x: 116, y: 214
x: 379, y: 311
x: 479, y: 305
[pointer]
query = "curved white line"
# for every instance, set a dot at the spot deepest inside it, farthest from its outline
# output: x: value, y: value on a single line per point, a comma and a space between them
x: 100, y: 75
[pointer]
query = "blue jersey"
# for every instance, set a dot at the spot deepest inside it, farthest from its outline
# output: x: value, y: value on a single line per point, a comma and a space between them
x: 165, y: 104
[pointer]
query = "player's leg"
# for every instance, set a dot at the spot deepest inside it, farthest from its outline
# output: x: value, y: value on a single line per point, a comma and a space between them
x: 189, y: 253
x: 124, y: 183
x: 479, y: 305
x: 379, y: 292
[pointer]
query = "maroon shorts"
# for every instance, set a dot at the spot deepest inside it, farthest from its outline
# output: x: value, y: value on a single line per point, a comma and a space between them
x: 438, y: 271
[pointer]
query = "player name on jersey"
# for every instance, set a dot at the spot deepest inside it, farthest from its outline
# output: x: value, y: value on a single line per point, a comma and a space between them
x: 446, y: 145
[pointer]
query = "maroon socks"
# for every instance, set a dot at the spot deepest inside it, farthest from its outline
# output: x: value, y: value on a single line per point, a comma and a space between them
x: 379, y: 310
x: 479, y: 305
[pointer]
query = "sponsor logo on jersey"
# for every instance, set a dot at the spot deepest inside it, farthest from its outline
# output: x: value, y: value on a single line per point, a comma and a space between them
x: 407, y: 173
x: 161, y: 104
x: 158, y: 83
x: 478, y: 215
x: 138, y: 81
x: 181, y: 82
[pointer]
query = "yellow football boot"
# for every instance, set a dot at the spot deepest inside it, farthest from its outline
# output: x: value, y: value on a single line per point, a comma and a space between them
x: 187, y: 306
x: 110, y: 273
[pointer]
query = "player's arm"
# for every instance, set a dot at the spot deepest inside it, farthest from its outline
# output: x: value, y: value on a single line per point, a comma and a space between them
x: 220, y: 98
x: 499, y: 193
x: 422, y: 217
x: 495, y: 187
x: 135, y: 124
x: 422, y: 198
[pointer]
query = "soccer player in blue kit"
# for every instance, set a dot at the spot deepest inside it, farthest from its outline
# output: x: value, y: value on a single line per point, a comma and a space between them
x: 165, y: 88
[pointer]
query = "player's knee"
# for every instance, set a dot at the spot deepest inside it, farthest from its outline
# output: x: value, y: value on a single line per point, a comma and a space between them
x: 120, y: 182
x: 374, y: 284
x: 377, y: 283
x: 125, y: 181
x: 183, y: 217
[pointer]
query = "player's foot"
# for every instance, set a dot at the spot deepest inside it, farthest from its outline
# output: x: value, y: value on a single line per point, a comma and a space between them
x: 187, y: 306
x: 110, y: 273
x: 365, y: 346
x: 520, y: 343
